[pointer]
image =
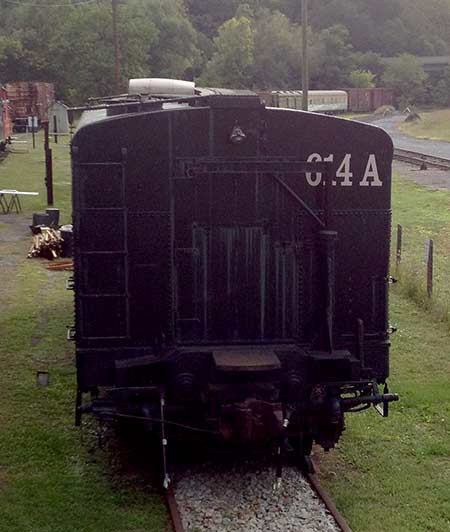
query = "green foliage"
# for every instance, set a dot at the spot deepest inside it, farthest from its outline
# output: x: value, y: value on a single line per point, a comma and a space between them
x: 232, y: 61
x: 362, y: 79
x: 73, y: 47
x: 441, y: 90
x: 336, y: 61
x: 277, y: 63
x: 406, y: 76
x: 370, y: 61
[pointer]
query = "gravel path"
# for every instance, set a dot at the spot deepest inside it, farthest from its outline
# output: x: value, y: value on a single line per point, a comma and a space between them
x: 240, y: 498
x: 405, y: 142
x: 432, y: 178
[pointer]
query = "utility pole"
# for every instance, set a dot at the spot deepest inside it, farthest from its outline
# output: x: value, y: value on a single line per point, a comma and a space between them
x: 116, y: 48
x: 305, y: 60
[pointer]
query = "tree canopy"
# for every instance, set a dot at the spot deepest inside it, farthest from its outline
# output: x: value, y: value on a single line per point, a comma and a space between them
x: 256, y: 44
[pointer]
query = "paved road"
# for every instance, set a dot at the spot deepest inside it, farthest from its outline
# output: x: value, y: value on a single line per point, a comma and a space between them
x: 405, y: 142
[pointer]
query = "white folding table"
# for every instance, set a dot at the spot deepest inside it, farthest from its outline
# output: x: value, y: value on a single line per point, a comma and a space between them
x: 10, y: 199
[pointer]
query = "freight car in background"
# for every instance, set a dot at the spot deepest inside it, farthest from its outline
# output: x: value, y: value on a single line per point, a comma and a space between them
x: 231, y: 267
x: 30, y: 98
x: 369, y: 100
x: 5, y: 119
x: 332, y: 101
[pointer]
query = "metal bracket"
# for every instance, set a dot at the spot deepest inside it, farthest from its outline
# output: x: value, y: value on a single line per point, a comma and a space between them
x: 70, y: 333
x: 383, y: 408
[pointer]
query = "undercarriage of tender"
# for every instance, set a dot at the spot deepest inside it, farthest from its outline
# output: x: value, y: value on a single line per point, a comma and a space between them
x: 242, y: 394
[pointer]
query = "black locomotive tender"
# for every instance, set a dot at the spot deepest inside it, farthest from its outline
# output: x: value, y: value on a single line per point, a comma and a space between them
x: 231, y: 267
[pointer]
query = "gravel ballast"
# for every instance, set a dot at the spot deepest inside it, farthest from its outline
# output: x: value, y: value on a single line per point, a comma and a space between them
x: 241, y: 498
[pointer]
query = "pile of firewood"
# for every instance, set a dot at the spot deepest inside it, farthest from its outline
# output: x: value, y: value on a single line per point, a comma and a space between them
x: 47, y: 243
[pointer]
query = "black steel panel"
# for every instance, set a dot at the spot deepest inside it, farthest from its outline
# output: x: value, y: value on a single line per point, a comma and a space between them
x: 101, y: 230
x: 101, y: 186
x: 228, y: 251
x: 103, y: 317
x: 103, y: 274
x: 149, y: 237
x: 150, y: 304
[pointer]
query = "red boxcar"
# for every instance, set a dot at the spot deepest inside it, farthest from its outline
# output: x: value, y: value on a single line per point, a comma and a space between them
x: 368, y: 100
x: 30, y: 98
x: 5, y: 118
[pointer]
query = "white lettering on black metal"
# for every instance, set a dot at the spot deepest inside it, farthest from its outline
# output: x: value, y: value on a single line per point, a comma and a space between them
x: 372, y: 173
x: 344, y: 173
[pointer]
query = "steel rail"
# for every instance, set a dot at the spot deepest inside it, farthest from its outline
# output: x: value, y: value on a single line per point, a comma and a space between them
x: 422, y: 159
x: 328, y: 502
x: 175, y: 517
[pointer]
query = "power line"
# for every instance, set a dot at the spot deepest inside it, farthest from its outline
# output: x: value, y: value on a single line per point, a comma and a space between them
x: 29, y: 4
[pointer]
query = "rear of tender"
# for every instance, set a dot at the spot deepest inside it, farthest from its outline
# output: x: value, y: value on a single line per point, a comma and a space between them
x: 231, y: 263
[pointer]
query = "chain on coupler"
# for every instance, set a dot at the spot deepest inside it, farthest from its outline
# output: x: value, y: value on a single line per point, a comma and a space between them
x: 166, y: 481
x: 280, y: 455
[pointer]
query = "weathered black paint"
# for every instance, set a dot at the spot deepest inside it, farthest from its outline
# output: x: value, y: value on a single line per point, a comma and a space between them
x: 186, y: 240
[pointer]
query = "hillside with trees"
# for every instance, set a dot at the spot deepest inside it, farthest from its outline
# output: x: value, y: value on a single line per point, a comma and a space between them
x: 226, y: 43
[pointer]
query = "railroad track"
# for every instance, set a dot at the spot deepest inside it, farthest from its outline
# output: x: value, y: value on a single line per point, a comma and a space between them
x: 238, y: 498
x: 421, y: 159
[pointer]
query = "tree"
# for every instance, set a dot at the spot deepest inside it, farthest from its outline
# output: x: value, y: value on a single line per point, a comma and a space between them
x: 405, y: 75
x: 440, y: 93
x: 277, y: 56
x: 368, y: 61
x: 336, y: 59
x: 73, y: 47
x: 348, y: 13
x: 362, y: 79
x: 232, y: 61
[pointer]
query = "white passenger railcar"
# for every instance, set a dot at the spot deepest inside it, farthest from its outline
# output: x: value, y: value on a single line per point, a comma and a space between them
x: 318, y: 101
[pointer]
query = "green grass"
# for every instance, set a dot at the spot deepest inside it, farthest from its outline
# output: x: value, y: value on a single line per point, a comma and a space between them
x: 423, y: 213
x: 355, y: 116
x: 52, y: 477
x: 390, y: 475
x: 394, y: 474
x: 26, y: 172
x: 433, y: 125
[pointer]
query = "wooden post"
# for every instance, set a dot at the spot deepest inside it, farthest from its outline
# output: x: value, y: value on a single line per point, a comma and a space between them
x: 305, y: 60
x: 49, y: 179
x: 33, y: 133
x: 117, y: 53
x: 398, y: 254
x: 46, y: 136
x: 429, y: 255
x: 55, y: 128
x: 48, y: 165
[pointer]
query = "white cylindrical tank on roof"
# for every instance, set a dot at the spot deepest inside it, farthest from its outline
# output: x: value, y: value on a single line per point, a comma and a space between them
x: 161, y: 86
